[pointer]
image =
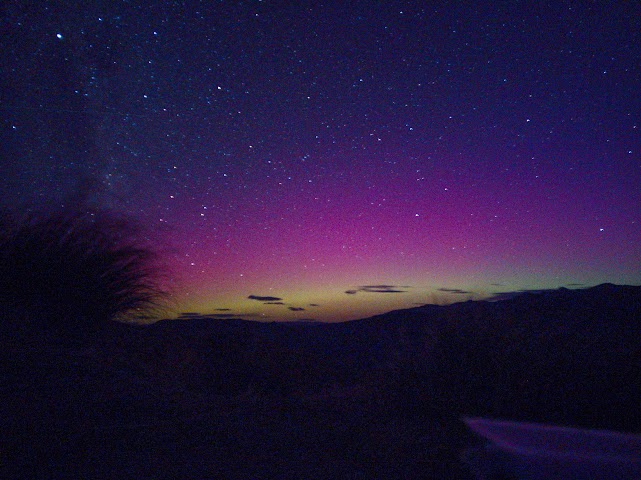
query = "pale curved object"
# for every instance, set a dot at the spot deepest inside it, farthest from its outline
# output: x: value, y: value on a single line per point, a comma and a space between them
x: 536, y: 451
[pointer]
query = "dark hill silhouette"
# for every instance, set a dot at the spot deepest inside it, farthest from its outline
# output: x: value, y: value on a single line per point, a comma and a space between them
x: 380, y: 397
x: 541, y: 356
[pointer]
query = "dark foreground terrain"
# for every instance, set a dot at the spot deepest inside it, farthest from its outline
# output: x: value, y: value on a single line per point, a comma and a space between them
x: 375, y: 398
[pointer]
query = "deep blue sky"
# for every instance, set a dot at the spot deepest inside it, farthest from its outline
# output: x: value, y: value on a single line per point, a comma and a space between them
x: 402, y: 152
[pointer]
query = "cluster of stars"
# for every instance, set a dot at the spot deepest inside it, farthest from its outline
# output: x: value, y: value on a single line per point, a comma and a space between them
x: 317, y: 147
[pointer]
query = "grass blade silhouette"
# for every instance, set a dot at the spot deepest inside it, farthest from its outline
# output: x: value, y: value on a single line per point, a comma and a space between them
x: 75, y: 271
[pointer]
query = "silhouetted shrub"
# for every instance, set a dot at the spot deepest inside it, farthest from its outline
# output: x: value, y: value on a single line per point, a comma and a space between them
x: 75, y: 271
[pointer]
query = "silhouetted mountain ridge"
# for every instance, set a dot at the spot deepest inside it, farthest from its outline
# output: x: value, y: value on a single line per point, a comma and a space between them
x: 563, y: 330
x: 397, y: 382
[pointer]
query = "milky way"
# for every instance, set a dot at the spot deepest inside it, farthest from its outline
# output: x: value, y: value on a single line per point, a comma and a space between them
x: 331, y: 162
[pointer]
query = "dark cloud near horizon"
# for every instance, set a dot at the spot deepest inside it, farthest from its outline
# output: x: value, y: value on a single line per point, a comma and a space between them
x: 515, y: 293
x: 264, y: 299
x: 314, y: 305
x: 495, y: 297
x: 223, y: 310
x: 296, y: 309
x: 378, y: 289
x: 274, y: 303
x: 456, y: 291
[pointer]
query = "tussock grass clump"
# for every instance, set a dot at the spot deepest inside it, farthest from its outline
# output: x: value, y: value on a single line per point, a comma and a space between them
x: 76, y: 270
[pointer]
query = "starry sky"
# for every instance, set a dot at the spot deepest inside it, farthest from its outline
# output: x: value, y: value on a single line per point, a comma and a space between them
x: 334, y: 160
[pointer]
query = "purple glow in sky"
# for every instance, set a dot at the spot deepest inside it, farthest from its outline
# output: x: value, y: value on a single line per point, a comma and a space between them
x: 406, y: 153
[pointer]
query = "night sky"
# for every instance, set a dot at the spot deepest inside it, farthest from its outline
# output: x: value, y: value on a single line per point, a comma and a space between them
x: 335, y: 160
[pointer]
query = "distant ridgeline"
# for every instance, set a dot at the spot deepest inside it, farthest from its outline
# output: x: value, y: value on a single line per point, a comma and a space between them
x: 561, y: 357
